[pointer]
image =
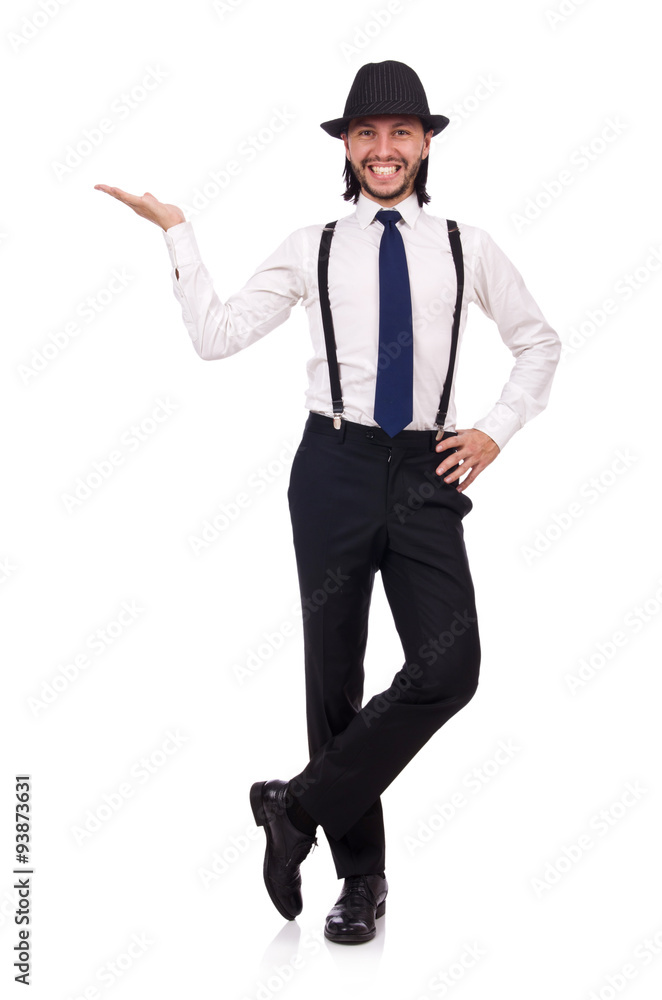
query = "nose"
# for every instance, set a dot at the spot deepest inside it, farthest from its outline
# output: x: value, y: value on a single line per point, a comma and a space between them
x: 383, y: 148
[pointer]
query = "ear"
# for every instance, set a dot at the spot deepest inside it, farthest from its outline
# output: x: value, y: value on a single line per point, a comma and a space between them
x: 343, y: 136
x: 426, y: 143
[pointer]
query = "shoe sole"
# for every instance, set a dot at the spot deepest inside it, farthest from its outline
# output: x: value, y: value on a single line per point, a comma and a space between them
x: 356, y: 939
x: 257, y: 807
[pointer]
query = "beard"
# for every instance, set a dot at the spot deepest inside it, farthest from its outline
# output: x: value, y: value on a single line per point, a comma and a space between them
x: 406, y: 175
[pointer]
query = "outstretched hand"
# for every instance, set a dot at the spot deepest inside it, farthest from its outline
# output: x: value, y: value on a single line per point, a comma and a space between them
x: 147, y: 206
x: 475, y: 451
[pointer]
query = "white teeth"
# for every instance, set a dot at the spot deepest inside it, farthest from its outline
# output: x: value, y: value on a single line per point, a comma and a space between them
x: 383, y: 170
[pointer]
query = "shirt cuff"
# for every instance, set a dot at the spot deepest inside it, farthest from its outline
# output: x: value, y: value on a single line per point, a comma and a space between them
x: 181, y: 243
x: 500, y: 423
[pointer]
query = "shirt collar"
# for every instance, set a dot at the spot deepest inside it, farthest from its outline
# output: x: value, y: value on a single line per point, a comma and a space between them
x: 366, y: 209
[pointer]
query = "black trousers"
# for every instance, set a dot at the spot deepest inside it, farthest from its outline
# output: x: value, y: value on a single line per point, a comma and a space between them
x: 361, y: 501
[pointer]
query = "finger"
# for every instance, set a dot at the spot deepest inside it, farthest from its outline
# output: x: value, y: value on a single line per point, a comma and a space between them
x: 470, y: 468
x: 462, y: 486
x: 454, y: 475
x: 453, y: 441
x: 115, y: 191
x: 128, y: 199
x: 473, y: 475
x: 449, y: 442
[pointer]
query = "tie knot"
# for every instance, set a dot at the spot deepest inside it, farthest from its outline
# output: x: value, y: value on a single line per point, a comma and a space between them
x: 386, y: 215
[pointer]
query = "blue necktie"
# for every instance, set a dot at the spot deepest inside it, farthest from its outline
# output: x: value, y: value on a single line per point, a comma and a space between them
x: 395, y: 365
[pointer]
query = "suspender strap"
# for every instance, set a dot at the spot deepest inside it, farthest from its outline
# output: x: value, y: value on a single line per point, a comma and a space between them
x: 456, y: 249
x: 327, y: 320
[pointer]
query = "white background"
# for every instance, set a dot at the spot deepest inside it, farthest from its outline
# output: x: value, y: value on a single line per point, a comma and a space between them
x: 552, y: 587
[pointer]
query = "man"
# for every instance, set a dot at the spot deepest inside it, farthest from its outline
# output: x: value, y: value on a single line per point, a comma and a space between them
x: 370, y: 487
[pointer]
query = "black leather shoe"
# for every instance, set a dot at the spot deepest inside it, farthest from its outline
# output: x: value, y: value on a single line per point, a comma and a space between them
x: 286, y: 846
x: 352, y: 919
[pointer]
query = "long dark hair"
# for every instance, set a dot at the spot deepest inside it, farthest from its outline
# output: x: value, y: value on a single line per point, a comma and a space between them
x: 353, y: 188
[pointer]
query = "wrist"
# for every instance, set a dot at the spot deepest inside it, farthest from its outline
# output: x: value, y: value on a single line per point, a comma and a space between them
x: 169, y: 223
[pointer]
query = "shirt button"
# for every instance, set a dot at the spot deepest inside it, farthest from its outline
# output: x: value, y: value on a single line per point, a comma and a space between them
x: 369, y: 434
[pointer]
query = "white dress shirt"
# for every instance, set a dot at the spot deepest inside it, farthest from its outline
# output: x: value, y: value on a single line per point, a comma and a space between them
x: 219, y: 329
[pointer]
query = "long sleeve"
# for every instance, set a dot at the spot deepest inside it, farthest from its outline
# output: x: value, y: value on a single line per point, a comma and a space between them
x: 503, y: 296
x: 219, y: 329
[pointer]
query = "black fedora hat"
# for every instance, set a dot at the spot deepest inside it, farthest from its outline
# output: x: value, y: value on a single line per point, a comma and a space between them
x: 386, y: 88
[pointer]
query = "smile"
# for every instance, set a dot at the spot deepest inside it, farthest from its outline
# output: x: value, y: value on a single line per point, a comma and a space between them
x: 384, y: 171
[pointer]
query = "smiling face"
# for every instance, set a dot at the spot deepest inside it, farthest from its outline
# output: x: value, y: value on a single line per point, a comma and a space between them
x: 385, y: 152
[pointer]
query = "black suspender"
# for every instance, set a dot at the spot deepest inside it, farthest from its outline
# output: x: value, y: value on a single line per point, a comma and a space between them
x: 456, y: 249
x: 327, y: 320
